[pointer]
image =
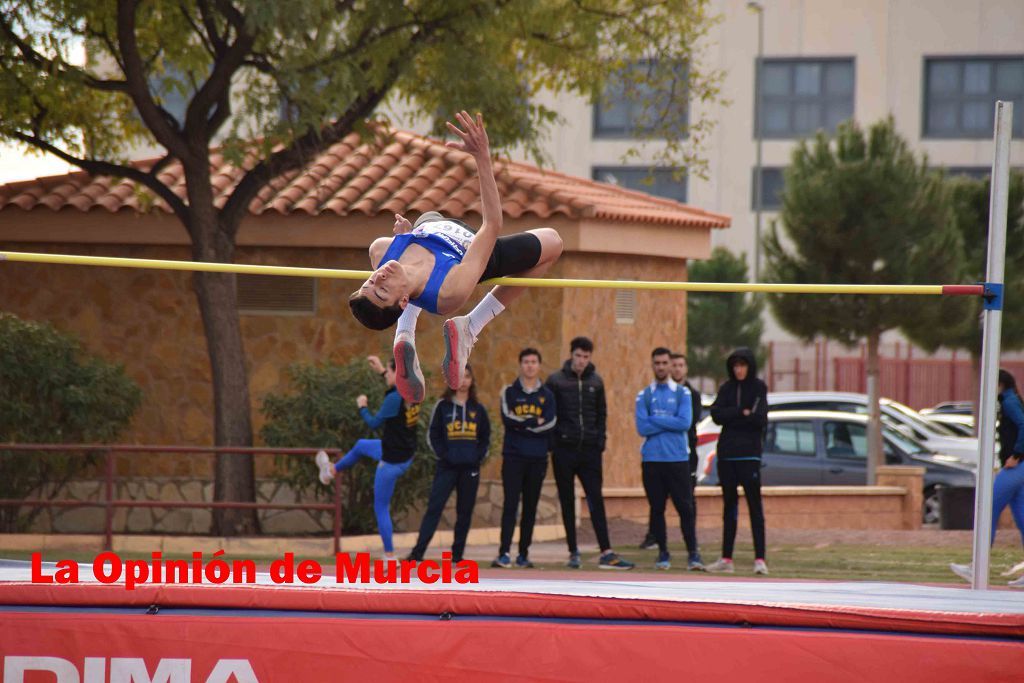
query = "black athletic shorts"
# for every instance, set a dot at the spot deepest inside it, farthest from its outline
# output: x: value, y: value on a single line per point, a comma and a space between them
x: 512, y: 255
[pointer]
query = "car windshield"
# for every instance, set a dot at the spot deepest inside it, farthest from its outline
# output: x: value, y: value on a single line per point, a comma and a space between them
x: 917, y: 422
x: 905, y: 443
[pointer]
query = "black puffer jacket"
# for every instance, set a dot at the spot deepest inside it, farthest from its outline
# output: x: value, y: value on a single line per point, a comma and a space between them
x: 582, y: 410
x: 742, y: 435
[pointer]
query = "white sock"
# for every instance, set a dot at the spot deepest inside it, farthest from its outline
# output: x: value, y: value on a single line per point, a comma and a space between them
x: 485, y: 311
x: 407, y: 321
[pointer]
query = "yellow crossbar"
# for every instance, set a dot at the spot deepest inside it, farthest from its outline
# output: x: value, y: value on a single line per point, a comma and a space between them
x: 154, y: 264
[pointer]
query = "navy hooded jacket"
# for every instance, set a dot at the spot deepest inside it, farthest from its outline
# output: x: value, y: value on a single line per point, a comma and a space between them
x: 460, y: 433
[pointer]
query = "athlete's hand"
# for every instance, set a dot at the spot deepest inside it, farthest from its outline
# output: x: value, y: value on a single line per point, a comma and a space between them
x: 375, y: 364
x: 362, y: 401
x: 402, y: 225
x: 472, y: 133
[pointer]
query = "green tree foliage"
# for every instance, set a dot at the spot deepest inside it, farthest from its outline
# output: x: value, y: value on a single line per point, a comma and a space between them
x: 955, y: 322
x: 274, y: 83
x: 717, y: 322
x: 860, y: 209
x: 51, y: 392
x: 321, y: 412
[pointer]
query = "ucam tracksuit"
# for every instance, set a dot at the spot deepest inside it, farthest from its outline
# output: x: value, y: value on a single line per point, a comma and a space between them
x: 529, y: 416
x: 663, y: 415
x: 460, y: 434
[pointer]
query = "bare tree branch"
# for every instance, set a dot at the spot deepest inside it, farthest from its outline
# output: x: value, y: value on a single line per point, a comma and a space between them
x: 58, y: 66
x: 203, y: 37
x: 135, y: 74
x: 105, y: 168
x: 215, y: 90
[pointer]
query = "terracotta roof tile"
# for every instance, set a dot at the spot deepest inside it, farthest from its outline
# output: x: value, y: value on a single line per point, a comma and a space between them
x: 408, y: 173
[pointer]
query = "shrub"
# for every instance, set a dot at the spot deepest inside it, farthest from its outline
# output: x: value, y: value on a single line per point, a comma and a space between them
x: 52, y: 392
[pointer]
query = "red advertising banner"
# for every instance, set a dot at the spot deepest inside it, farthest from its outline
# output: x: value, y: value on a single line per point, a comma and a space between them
x: 102, y: 646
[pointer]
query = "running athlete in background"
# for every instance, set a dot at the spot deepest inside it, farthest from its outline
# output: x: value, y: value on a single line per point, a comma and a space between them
x: 393, y: 452
x: 435, y: 265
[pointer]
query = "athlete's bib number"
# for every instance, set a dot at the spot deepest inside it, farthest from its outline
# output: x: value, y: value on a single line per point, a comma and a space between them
x: 452, y: 233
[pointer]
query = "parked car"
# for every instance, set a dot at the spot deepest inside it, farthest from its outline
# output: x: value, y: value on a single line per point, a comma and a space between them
x: 829, y: 448
x: 963, y: 425
x: 950, y: 408
x: 937, y: 437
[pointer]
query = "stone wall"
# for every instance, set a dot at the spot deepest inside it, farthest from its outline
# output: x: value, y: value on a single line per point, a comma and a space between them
x: 148, y: 321
x: 622, y: 352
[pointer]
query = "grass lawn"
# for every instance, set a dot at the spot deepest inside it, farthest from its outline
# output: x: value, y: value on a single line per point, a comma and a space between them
x: 820, y: 561
x: 918, y: 564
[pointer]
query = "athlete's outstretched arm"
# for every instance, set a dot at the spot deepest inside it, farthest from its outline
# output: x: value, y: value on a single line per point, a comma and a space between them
x: 474, y: 140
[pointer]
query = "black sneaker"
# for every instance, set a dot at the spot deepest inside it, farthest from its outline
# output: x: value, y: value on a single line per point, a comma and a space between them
x: 574, y: 561
x: 502, y: 561
x: 414, y: 557
x: 611, y: 560
x: 648, y: 543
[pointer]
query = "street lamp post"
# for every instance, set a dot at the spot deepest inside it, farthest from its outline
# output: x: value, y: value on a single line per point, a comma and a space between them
x: 758, y: 199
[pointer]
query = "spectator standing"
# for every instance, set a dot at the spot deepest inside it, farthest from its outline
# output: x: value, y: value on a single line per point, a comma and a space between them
x: 663, y: 417
x: 528, y: 412
x: 579, y: 442
x: 678, y: 373
x: 460, y: 433
x: 741, y: 407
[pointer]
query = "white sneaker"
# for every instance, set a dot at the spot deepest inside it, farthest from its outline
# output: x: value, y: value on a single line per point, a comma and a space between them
x: 326, y: 469
x: 760, y: 567
x: 721, y: 566
x: 1019, y: 567
x: 458, y: 344
x: 964, y: 571
x: 1017, y: 583
x: 408, y: 376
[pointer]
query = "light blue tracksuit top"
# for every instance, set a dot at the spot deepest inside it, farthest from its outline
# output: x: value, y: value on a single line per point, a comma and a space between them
x: 663, y: 416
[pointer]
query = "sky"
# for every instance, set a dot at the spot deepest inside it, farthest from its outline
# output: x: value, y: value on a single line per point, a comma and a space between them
x: 17, y: 164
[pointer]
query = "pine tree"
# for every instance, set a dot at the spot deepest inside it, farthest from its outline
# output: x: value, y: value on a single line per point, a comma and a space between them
x: 955, y: 322
x: 861, y: 208
x: 716, y: 322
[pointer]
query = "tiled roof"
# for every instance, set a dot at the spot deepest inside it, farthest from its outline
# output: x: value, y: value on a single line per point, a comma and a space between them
x: 408, y: 173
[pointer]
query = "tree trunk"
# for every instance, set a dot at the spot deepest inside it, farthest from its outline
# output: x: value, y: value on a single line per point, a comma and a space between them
x: 234, y: 477
x: 876, y: 457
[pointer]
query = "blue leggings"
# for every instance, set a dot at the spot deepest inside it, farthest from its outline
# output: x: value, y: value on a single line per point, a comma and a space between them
x: 383, y: 483
x: 1009, y: 490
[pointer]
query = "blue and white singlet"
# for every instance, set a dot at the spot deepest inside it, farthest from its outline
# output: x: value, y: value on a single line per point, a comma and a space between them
x: 447, y: 240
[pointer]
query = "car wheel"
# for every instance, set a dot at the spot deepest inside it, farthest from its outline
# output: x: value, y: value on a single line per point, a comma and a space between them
x: 932, y: 513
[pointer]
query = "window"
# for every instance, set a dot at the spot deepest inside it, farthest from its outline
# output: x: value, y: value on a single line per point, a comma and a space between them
x: 628, y: 108
x: 973, y: 172
x: 846, y: 440
x: 790, y: 438
x: 276, y: 295
x: 960, y: 95
x: 797, y: 97
x: 658, y: 181
x: 772, y: 184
